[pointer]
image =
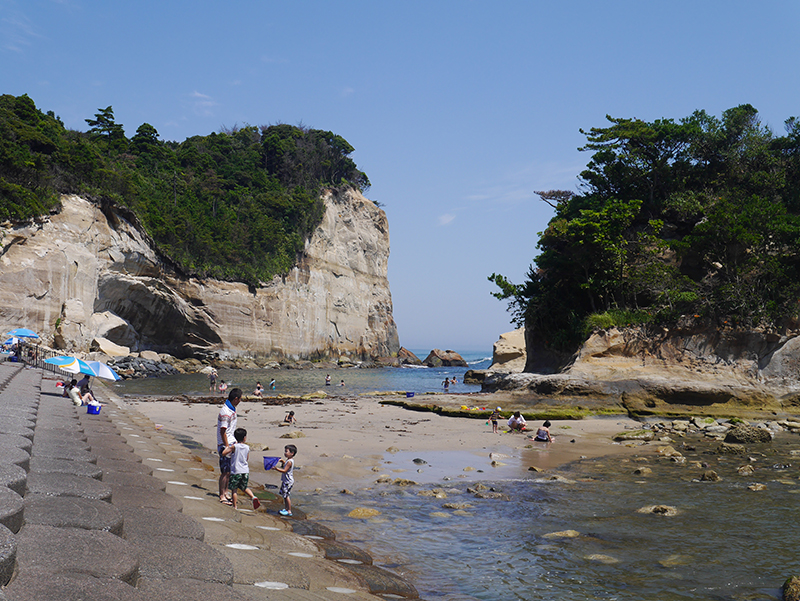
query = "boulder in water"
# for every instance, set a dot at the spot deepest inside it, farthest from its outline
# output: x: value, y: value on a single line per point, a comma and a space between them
x: 744, y: 434
x: 406, y: 357
x: 791, y: 589
x: 645, y: 435
x: 440, y: 358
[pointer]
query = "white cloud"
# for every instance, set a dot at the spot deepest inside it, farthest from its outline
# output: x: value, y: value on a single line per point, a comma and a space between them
x: 446, y: 219
x: 203, y: 104
x: 17, y: 32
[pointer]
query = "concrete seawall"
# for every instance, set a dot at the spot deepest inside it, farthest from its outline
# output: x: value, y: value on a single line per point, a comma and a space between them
x: 107, y: 507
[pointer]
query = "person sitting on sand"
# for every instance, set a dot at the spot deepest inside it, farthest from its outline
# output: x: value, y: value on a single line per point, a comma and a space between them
x: 259, y: 391
x: 543, y: 433
x: 290, y: 419
x: 516, y: 422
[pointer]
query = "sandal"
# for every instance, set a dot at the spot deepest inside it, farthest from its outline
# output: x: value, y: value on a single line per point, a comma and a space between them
x: 256, y: 503
x: 227, y: 502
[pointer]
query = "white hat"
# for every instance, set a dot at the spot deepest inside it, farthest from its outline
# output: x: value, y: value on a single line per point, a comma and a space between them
x: 499, y: 409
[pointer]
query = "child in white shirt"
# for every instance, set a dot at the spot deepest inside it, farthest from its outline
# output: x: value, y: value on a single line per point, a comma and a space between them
x: 240, y: 469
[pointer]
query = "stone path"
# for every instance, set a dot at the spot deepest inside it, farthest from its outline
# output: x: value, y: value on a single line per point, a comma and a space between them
x: 108, y: 508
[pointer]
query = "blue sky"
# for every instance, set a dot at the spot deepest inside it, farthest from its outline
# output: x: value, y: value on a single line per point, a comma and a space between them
x: 458, y: 110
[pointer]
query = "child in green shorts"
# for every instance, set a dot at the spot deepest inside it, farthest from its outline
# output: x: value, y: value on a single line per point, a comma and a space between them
x: 240, y: 469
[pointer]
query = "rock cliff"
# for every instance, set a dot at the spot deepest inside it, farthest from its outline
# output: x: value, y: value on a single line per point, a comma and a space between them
x: 86, y: 274
x: 692, y: 365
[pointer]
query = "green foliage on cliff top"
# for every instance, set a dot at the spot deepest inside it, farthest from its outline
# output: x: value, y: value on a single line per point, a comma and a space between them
x: 698, y: 217
x: 235, y: 205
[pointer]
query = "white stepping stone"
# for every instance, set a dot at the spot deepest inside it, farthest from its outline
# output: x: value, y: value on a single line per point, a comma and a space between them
x: 271, y: 585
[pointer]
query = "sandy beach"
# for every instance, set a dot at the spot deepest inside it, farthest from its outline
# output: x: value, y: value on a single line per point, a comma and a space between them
x: 351, y: 441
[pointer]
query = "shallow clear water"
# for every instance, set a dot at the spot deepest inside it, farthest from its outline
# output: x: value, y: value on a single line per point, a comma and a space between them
x: 727, y: 542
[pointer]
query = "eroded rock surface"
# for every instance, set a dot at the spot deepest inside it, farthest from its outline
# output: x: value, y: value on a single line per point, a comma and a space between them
x: 89, y: 274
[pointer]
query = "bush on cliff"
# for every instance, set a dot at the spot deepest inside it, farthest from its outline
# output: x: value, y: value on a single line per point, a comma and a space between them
x: 234, y: 205
x: 697, y: 217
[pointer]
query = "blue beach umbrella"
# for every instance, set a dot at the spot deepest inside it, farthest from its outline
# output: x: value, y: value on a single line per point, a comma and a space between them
x: 23, y: 333
x: 101, y: 370
x: 71, y: 365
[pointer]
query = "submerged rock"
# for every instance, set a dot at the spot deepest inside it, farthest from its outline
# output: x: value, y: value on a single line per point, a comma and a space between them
x: 562, y: 534
x: 710, y: 476
x: 666, y: 510
x: 363, y: 513
x: 729, y: 448
x: 599, y: 557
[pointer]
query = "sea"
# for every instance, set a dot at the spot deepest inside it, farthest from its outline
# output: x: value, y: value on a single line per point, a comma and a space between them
x: 588, y: 534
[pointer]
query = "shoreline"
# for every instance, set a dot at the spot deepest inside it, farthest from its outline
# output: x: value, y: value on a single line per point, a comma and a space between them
x: 352, y: 441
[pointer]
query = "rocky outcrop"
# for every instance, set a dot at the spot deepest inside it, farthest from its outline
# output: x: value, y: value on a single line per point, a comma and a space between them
x: 87, y: 274
x: 508, y: 353
x: 682, y: 369
x: 440, y: 358
x: 406, y: 357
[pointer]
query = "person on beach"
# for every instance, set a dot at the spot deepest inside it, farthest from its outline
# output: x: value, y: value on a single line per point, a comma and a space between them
x: 226, y: 426
x: 543, y: 433
x: 328, y: 380
x: 272, y: 384
x: 240, y: 468
x: 286, y: 468
x: 289, y: 419
x: 446, y: 384
x: 259, y: 391
x: 341, y: 383
x: 493, y: 418
x: 74, y: 393
x: 222, y: 386
x: 212, y: 379
x: 516, y: 423
x: 84, y: 384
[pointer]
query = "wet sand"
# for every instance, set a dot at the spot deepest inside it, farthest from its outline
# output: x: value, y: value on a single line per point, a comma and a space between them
x: 351, y: 441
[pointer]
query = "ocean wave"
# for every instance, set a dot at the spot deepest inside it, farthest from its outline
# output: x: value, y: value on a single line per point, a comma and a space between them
x: 483, y: 360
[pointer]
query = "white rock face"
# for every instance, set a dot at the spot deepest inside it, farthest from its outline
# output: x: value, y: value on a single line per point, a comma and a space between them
x: 508, y: 353
x: 84, y: 274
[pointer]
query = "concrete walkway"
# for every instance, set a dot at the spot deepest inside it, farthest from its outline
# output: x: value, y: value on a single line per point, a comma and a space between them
x: 108, y: 508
